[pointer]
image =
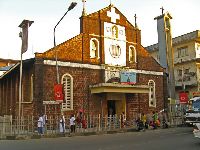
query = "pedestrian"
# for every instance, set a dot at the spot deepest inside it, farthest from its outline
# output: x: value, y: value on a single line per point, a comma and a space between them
x: 40, y: 124
x: 79, y: 118
x: 62, y: 124
x: 123, y: 120
x: 72, y: 123
x: 144, y: 120
x: 44, y: 117
x: 84, y: 123
x: 155, y: 120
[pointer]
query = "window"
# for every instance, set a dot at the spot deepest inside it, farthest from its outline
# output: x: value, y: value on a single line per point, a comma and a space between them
x: 115, y: 51
x: 94, y: 48
x: 132, y: 54
x: 115, y: 31
x: 152, y: 96
x: 67, y: 82
x: 182, y: 51
x: 179, y: 72
x: 198, y: 46
x: 187, y: 71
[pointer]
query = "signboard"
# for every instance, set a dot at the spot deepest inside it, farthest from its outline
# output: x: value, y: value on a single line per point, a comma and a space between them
x: 197, y: 93
x: 183, y: 97
x: 128, y: 77
x: 58, y: 92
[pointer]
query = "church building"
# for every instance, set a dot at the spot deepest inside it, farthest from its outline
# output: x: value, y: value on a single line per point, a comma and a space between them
x: 103, y: 70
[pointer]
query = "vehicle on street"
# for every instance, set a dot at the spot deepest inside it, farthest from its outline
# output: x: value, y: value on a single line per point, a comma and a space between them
x: 192, y: 114
x: 196, y: 130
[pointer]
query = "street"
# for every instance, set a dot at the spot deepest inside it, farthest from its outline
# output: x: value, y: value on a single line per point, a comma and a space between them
x: 161, y: 139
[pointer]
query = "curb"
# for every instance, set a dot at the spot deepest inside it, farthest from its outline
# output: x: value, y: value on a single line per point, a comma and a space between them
x: 37, y: 136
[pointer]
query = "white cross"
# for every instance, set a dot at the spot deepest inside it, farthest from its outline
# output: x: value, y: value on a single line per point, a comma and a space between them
x: 113, y: 15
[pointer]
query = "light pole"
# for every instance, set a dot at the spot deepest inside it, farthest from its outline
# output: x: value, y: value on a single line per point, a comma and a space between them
x: 72, y: 5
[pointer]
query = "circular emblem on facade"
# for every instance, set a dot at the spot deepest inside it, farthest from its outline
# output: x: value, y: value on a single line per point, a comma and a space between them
x: 115, y: 51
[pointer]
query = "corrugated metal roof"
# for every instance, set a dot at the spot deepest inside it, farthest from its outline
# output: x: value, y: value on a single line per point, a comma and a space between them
x: 6, y: 68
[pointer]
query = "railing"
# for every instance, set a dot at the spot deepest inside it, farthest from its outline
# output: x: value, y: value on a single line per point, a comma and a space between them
x: 27, y: 125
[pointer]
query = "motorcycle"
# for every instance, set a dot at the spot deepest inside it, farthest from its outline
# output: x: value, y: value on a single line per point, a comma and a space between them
x: 139, y: 125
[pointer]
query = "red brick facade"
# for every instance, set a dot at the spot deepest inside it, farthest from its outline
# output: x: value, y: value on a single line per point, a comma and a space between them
x: 77, y: 51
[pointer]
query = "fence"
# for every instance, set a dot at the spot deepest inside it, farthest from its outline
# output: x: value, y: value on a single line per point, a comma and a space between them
x: 27, y: 125
x: 5, y: 125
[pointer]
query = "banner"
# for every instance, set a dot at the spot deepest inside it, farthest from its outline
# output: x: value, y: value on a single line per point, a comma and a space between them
x: 24, y: 34
x: 128, y: 77
x: 58, y: 92
x: 183, y: 97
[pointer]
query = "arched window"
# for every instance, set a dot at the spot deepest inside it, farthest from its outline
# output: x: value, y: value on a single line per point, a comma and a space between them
x: 67, y: 82
x: 94, y: 48
x: 152, y: 95
x: 132, y: 54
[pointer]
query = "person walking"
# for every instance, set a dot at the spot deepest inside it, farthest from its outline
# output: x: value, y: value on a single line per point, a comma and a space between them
x: 40, y: 124
x: 72, y: 123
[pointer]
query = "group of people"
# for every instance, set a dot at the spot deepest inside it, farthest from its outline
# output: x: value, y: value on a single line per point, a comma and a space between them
x: 153, y: 122
x: 42, y: 120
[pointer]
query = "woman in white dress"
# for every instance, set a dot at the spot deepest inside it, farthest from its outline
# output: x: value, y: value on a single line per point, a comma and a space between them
x: 62, y: 124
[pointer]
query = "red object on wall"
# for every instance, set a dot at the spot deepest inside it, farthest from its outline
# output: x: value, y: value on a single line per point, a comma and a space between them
x: 58, y: 92
x: 183, y: 97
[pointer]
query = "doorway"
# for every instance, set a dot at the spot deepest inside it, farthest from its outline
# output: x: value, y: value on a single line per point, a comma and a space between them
x: 111, y: 107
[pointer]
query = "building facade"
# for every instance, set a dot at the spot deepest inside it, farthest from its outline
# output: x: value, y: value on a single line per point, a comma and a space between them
x: 186, y: 62
x: 103, y: 70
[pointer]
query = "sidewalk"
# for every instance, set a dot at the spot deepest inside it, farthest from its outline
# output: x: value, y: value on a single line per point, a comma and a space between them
x: 67, y: 134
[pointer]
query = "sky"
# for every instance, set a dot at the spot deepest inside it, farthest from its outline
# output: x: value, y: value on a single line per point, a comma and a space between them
x: 46, y: 14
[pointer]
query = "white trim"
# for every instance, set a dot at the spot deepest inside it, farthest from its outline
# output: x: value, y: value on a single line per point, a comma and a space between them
x: 88, y: 66
x: 152, y: 91
x: 134, y: 51
x: 50, y: 103
x: 112, y: 38
x: 65, y: 103
x: 71, y: 64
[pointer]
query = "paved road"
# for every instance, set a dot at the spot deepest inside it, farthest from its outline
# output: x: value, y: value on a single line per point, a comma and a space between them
x: 161, y: 139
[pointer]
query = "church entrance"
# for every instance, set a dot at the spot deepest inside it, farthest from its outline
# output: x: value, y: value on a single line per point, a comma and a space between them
x: 116, y: 103
x: 111, y: 107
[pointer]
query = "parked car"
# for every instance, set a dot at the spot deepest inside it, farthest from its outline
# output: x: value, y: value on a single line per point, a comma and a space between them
x: 192, y: 115
x: 196, y: 130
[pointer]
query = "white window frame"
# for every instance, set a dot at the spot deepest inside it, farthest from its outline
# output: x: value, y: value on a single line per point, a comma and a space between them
x: 182, y: 51
x: 152, y: 93
x: 67, y: 104
x: 97, y: 50
x: 132, y: 53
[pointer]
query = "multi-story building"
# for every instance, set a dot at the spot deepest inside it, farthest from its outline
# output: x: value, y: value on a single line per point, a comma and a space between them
x: 186, y: 62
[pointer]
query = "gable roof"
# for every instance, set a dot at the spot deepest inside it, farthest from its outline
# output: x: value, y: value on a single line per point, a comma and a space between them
x: 64, y: 49
x: 100, y: 13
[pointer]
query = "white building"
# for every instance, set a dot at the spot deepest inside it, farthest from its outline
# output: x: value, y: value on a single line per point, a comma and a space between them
x: 186, y: 62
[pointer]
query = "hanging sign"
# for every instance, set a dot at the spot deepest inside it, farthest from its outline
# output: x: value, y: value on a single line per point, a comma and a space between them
x: 58, y: 92
x: 183, y: 97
